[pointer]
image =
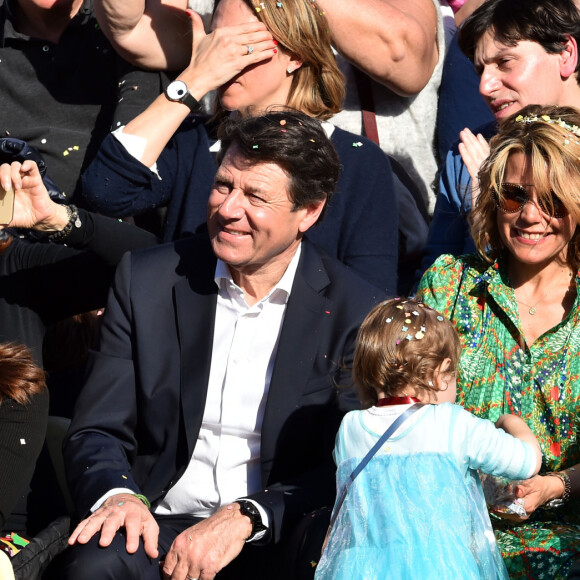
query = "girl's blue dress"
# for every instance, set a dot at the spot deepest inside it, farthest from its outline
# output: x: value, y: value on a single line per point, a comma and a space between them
x: 419, y: 515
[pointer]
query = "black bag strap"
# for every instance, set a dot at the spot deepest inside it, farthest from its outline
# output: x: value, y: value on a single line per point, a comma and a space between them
x: 392, y: 428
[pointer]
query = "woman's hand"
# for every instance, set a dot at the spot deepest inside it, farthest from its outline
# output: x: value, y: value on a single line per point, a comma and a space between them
x: 33, y: 207
x: 474, y: 151
x: 535, y: 492
x: 221, y: 55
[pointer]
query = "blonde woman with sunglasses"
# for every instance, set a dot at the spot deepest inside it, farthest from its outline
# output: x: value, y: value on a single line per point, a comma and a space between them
x: 516, y: 307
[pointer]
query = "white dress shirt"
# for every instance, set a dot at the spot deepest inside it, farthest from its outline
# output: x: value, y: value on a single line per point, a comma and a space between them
x: 225, y: 464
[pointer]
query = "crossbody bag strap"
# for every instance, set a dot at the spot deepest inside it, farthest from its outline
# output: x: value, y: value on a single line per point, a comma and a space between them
x: 392, y: 428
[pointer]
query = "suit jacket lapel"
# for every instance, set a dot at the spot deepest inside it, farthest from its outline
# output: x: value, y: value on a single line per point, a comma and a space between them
x: 195, y: 304
x: 299, y: 344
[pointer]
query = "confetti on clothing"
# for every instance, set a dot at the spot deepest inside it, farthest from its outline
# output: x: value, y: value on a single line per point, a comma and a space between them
x: 499, y: 373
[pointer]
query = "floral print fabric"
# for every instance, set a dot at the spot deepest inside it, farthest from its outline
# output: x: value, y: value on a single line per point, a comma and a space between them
x: 499, y: 373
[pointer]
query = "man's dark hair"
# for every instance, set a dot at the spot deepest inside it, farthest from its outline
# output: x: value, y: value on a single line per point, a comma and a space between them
x: 549, y: 23
x: 295, y: 142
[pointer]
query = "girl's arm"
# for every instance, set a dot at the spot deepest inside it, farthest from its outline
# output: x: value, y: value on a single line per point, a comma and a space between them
x: 515, y: 426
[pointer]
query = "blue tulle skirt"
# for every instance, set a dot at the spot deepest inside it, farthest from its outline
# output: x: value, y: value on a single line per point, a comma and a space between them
x: 411, y: 517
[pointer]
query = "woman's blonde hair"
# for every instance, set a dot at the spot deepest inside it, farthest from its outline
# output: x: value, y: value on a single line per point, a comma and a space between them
x: 318, y: 86
x: 400, y: 343
x: 550, y: 139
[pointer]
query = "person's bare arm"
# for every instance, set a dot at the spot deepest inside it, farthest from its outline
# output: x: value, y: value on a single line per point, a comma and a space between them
x: 467, y: 10
x: 393, y: 41
x: 153, y: 34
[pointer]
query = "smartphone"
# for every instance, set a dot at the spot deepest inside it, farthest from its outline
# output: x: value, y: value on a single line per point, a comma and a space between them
x: 6, y: 206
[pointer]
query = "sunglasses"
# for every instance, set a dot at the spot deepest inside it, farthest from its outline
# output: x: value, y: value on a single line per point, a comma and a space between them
x: 514, y: 196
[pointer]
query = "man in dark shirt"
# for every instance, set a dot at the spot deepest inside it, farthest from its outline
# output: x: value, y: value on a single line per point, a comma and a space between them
x: 62, y: 86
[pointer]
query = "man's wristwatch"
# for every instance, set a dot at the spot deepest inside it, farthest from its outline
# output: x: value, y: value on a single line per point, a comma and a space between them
x: 249, y: 509
x: 178, y: 92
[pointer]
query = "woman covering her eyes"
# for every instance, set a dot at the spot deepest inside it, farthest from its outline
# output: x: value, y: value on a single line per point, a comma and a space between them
x: 259, y: 55
x: 516, y: 308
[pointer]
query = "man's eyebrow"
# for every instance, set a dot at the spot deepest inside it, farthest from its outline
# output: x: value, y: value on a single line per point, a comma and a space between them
x: 223, y: 177
x: 495, y: 56
x: 249, y: 188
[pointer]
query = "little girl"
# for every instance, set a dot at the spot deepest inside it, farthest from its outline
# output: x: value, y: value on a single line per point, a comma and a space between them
x: 416, y: 510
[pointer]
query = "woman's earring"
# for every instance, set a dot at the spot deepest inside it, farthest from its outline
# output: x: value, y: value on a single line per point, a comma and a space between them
x: 290, y: 70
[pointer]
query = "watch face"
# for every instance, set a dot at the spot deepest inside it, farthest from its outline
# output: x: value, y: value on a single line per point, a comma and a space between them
x: 177, y: 90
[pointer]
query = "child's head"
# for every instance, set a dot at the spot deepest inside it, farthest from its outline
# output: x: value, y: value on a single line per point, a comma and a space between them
x: 403, y: 346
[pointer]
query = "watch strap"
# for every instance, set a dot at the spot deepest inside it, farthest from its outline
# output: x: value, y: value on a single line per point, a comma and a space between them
x: 193, y: 104
x: 558, y: 502
x: 248, y: 508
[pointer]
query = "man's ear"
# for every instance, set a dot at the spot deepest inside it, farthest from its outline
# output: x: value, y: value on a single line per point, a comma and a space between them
x: 311, y: 213
x: 569, y: 58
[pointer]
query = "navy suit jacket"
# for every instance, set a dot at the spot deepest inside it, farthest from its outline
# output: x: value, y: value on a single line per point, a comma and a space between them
x: 139, y: 414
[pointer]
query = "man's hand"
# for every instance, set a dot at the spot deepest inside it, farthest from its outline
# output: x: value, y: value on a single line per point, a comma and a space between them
x: 204, y: 549
x: 121, y: 510
x: 474, y: 151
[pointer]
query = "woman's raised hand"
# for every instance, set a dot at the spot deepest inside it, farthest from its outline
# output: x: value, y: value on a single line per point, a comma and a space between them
x: 33, y: 207
x: 221, y: 55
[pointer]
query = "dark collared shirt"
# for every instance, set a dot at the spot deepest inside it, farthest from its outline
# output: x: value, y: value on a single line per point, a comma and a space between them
x: 64, y: 98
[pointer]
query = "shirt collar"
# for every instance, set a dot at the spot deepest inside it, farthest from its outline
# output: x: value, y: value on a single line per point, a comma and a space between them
x: 6, y: 16
x: 223, y: 278
x: 328, y: 128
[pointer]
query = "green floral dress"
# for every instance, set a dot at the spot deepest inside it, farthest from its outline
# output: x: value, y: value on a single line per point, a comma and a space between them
x: 499, y: 373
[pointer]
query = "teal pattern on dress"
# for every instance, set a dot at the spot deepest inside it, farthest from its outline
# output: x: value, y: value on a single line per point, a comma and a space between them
x: 499, y: 373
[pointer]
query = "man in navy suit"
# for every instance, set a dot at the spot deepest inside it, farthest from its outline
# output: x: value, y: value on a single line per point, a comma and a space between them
x: 205, y: 430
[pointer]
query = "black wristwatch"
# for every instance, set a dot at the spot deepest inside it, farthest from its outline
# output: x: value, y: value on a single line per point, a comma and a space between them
x: 178, y: 92
x: 250, y: 510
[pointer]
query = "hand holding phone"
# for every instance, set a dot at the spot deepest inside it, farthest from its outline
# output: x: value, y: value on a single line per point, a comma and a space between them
x: 6, y: 205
